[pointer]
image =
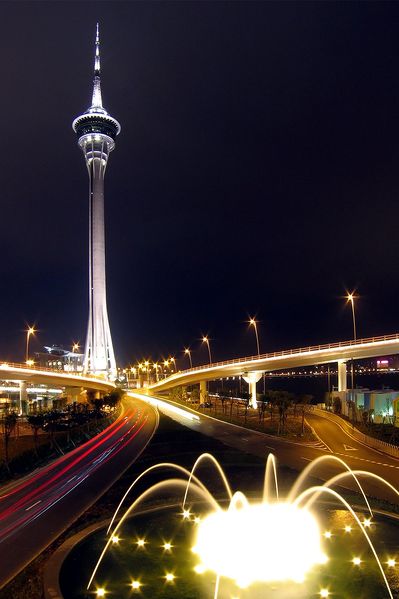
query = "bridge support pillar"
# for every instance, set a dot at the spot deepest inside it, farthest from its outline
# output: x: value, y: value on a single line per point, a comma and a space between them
x: 23, y: 398
x: 73, y: 394
x: 252, y: 378
x: 203, y: 391
x: 342, y: 376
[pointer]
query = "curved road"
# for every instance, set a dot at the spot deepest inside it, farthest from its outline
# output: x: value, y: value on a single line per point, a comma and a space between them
x: 37, y: 509
x: 334, y: 440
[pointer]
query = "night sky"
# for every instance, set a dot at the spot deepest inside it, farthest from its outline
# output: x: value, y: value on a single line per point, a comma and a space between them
x: 257, y: 172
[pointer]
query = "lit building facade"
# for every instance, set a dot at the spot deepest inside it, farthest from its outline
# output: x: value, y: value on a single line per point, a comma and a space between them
x: 96, y: 130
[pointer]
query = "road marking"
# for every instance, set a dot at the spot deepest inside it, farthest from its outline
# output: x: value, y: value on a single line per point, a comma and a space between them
x: 350, y: 448
x: 33, y: 505
x: 369, y: 461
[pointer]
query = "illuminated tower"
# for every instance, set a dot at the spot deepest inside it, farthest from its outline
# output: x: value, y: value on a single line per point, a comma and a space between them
x: 96, y: 131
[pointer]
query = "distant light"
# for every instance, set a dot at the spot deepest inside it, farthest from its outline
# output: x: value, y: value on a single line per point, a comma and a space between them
x: 327, y: 534
x: 115, y: 540
x: 141, y: 542
x: 391, y: 563
x: 170, y: 577
x: 186, y: 514
x: 100, y: 592
x: 324, y: 593
x: 356, y: 561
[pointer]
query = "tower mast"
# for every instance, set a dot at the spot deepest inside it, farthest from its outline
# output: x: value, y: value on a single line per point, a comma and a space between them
x: 96, y: 130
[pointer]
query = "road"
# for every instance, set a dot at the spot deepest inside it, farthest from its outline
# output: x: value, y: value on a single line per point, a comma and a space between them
x: 37, y: 509
x: 333, y: 441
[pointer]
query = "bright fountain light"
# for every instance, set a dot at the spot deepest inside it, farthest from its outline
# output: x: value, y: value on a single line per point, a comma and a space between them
x: 260, y: 543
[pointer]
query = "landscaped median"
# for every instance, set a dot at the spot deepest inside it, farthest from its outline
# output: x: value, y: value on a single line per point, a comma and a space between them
x: 280, y: 418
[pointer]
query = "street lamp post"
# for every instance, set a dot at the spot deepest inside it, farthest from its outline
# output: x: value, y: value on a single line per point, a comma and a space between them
x: 187, y: 352
x: 351, y: 298
x: 206, y: 340
x: 29, y: 332
x: 254, y: 324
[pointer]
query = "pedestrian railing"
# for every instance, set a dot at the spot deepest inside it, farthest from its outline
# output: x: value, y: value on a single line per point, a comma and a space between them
x: 287, y: 352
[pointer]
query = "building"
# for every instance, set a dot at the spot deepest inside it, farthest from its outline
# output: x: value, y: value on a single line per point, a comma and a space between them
x: 96, y: 130
x: 58, y: 358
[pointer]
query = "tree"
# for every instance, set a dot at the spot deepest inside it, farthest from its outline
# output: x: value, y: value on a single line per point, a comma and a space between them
x: 36, y: 422
x: 195, y: 395
x: 337, y: 405
x: 304, y: 401
x: 9, y: 424
x: 283, y: 401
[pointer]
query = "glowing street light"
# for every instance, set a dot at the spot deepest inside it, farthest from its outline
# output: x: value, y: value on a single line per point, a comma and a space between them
x: 254, y: 323
x: 30, y: 331
x: 173, y: 361
x: 350, y: 298
x: 205, y: 339
x: 187, y: 352
x: 75, y: 347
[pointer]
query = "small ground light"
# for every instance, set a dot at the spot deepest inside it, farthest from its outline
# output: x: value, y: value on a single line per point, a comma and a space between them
x: 169, y: 577
x: 100, y: 592
x: 197, y: 519
x: 356, y: 561
x: 367, y: 522
x: 140, y: 542
x: 324, y: 593
x: 115, y: 540
x: 391, y: 563
x: 327, y: 534
x: 167, y: 546
x: 347, y: 529
x: 186, y: 514
x: 135, y: 585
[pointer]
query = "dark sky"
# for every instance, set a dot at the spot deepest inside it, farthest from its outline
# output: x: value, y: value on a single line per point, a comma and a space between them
x: 257, y: 171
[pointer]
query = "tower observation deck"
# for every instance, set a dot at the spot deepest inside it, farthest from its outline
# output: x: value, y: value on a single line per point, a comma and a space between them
x: 96, y: 131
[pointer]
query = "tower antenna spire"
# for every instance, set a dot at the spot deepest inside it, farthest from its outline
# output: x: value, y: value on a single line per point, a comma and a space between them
x: 97, y: 99
x: 97, y: 56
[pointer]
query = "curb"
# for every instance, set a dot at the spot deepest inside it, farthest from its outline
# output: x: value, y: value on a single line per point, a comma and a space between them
x: 52, y: 568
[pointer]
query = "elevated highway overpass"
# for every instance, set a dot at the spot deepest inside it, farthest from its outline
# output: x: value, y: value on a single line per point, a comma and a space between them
x: 252, y: 367
x: 43, y: 376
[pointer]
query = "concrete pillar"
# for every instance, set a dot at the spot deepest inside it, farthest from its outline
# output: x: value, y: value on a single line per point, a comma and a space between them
x: 252, y: 378
x: 23, y: 398
x: 203, y: 391
x: 342, y: 376
x: 73, y: 394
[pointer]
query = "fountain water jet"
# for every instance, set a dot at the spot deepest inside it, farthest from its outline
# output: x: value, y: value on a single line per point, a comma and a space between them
x: 272, y: 541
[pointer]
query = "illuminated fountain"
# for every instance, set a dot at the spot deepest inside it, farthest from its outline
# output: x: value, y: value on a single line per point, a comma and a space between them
x: 277, y: 541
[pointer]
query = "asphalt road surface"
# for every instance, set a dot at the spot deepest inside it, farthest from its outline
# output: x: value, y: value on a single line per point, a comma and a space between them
x: 333, y: 441
x: 37, y: 509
